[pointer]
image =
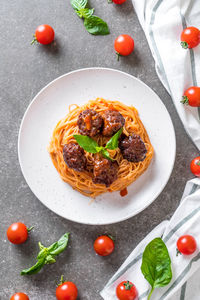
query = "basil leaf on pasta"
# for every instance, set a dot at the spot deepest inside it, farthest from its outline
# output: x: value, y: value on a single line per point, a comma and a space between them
x: 86, y: 143
x: 106, y: 154
x: 114, y: 141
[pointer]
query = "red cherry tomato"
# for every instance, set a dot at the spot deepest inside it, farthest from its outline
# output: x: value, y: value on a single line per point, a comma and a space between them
x: 126, y: 290
x: 104, y: 245
x: 17, y: 233
x: 186, y: 244
x: 118, y: 1
x: 195, y: 166
x: 44, y: 34
x: 192, y: 96
x: 67, y: 291
x: 124, y: 45
x: 19, y: 296
x: 190, y: 37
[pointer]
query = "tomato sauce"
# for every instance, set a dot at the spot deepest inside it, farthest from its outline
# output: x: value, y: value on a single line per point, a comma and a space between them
x: 124, y: 192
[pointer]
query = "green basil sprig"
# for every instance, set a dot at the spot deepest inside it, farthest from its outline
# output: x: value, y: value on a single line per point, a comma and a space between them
x: 78, y: 4
x: 156, y: 264
x: 47, y: 255
x: 85, y: 12
x: 93, y: 24
x: 91, y: 146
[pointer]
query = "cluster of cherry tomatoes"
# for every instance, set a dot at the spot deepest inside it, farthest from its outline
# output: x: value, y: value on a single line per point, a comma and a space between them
x: 104, y: 245
x: 17, y: 233
x: 124, y: 46
x: 190, y: 38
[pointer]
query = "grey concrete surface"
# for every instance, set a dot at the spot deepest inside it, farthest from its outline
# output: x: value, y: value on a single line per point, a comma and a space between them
x: 24, y: 71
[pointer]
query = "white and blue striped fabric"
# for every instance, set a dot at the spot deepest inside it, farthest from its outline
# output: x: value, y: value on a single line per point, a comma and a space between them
x: 177, y: 68
x: 185, y: 284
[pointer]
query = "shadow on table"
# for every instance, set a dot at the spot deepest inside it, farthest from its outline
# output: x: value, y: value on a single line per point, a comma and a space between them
x: 54, y: 48
x: 124, y: 9
x: 132, y: 60
x: 29, y: 247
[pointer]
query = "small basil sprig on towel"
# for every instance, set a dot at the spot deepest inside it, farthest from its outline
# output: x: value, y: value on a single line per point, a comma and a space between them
x: 47, y: 255
x: 92, y: 146
x: 93, y: 24
x: 156, y: 264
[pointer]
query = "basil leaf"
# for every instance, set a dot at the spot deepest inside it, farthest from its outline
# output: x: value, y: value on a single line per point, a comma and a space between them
x: 96, y: 26
x: 42, y: 253
x: 85, y: 12
x: 156, y: 264
x: 59, y: 246
x: 86, y: 143
x: 46, y: 255
x: 78, y: 4
x: 114, y: 141
x: 106, y: 154
x: 34, y: 269
x: 49, y: 260
x: 41, y: 247
x: 99, y: 149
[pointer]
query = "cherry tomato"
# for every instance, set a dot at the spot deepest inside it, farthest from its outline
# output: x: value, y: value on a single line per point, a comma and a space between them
x: 124, y: 45
x: 190, y: 37
x: 186, y: 244
x: 44, y: 34
x: 17, y: 233
x: 192, y: 96
x: 195, y: 166
x: 19, y: 296
x: 104, y: 245
x: 118, y: 1
x: 67, y: 291
x: 126, y: 290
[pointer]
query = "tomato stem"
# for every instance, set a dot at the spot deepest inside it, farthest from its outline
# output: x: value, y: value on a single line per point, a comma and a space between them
x: 118, y: 55
x: 110, y: 1
x: 185, y: 100
x: 30, y: 228
x: 128, y: 285
x: 61, y: 280
x: 111, y: 237
x: 177, y: 252
x: 184, y: 45
x: 198, y: 163
x: 34, y: 40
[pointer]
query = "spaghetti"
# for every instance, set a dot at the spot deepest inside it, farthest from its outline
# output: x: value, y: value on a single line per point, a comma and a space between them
x: 82, y: 181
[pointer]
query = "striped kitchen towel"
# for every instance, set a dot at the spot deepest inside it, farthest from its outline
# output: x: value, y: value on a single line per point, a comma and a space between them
x: 186, y: 269
x: 177, y: 68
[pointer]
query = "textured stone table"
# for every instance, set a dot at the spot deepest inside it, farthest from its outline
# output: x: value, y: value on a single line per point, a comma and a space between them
x: 24, y: 71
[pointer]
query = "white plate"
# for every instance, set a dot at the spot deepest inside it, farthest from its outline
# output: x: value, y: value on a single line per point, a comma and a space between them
x: 51, y: 104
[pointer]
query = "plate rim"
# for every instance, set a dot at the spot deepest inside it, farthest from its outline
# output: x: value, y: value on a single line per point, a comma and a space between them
x: 19, y: 139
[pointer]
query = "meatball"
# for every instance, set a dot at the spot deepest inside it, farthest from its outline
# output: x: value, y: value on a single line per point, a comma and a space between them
x: 113, y: 121
x: 74, y: 156
x: 105, y: 171
x: 133, y: 148
x: 89, y: 122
